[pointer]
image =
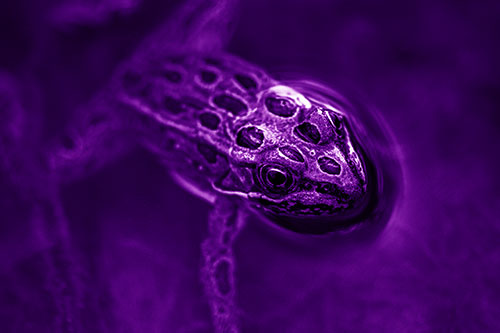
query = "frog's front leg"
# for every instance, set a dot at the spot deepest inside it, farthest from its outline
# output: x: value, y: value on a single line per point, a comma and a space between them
x: 218, y: 268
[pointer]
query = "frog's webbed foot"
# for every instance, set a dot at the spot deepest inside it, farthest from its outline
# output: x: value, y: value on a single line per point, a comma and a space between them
x: 225, y: 222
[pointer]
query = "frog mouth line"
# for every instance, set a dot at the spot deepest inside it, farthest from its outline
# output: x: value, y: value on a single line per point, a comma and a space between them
x: 296, y: 208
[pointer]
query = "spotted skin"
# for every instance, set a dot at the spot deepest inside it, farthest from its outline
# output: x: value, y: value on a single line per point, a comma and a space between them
x: 227, y: 128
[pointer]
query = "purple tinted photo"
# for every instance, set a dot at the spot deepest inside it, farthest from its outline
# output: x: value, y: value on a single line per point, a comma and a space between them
x: 249, y: 166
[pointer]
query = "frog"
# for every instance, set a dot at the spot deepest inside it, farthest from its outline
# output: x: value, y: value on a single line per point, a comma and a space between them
x: 297, y: 154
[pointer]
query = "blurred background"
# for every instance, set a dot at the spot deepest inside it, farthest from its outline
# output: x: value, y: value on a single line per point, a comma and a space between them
x: 430, y: 67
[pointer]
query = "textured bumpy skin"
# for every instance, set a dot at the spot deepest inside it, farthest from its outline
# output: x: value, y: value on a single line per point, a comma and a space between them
x: 226, y: 127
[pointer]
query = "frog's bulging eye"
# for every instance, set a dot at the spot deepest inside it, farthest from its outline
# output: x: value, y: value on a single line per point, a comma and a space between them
x: 275, y: 179
x: 292, y: 153
x: 230, y: 103
x: 329, y: 165
x: 250, y: 137
x: 245, y: 81
x: 307, y: 132
x: 280, y: 106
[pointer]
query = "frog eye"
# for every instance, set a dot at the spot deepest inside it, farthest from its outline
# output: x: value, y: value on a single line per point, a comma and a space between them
x: 276, y: 179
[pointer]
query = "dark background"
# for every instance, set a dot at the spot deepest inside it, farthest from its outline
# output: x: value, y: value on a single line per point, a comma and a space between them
x: 430, y: 67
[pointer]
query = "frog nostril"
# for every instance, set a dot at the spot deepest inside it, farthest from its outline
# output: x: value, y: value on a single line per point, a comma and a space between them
x: 329, y: 165
x: 307, y: 132
x: 250, y: 137
x: 280, y: 106
x: 291, y: 153
x: 324, y: 188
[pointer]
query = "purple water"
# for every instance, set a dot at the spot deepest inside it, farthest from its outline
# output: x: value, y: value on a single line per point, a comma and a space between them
x: 121, y: 251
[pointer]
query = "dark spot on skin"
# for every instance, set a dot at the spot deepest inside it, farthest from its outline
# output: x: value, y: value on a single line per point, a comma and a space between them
x: 245, y: 81
x: 209, y: 120
x: 173, y: 105
x: 280, y: 106
x: 329, y: 165
x: 193, y: 103
x: 250, y: 137
x: 307, y: 132
x: 222, y: 273
x: 208, y: 152
x: 230, y: 103
x: 292, y: 153
x: 172, y: 76
x: 208, y: 77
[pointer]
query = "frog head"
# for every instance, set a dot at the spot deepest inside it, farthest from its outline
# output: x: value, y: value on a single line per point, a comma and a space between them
x: 299, y: 161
